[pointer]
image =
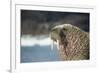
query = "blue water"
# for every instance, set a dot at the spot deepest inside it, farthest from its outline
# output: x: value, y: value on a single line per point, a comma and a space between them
x: 39, y: 53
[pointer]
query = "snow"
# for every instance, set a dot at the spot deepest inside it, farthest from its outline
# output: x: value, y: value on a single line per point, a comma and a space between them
x: 41, y: 41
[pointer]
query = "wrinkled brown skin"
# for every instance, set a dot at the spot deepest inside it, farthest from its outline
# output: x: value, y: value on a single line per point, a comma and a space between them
x: 73, y: 42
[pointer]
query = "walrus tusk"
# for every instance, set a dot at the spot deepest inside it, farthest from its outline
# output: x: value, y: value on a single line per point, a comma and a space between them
x: 58, y: 44
x: 52, y: 44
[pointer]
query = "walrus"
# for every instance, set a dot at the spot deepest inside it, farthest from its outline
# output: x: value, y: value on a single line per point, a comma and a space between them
x: 72, y: 42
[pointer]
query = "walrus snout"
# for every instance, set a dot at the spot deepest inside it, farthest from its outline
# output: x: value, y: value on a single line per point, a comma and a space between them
x: 57, y: 33
x: 54, y: 34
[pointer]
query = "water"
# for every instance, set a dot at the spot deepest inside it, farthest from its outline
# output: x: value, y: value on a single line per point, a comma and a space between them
x: 38, y: 49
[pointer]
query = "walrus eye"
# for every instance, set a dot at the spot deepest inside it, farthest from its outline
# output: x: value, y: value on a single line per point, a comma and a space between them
x: 62, y: 34
x: 64, y: 29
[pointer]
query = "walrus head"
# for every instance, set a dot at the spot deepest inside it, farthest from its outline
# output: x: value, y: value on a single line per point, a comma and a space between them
x: 59, y: 32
